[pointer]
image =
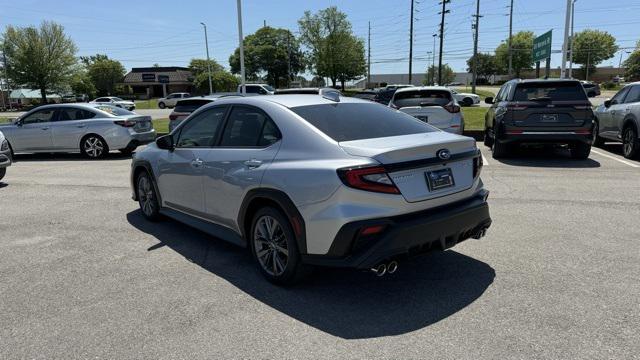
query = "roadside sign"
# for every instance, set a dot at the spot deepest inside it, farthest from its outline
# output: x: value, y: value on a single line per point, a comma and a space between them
x: 163, y: 79
x: 148, y: 77
x: 542, y: 46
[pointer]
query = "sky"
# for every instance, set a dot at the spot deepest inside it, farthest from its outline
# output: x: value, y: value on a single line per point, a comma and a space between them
x: 142, y: 33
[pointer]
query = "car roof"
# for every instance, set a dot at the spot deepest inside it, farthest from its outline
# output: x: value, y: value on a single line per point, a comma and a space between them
x: 544, y: 80
x: 290, y: 101
x: 418, y: 88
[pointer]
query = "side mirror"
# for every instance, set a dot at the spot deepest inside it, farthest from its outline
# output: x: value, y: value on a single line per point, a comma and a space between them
x: 165, y: 142
x: 488, y: 100
x: 19, y: 123
x: 607, y: 103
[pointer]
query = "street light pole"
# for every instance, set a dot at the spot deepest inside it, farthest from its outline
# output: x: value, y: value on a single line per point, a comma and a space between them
x: 573, y: 5
x: 433, y: 61
x: 510, y: 36
x: 565, y: 44
x: 475, y: 49
x: 206, y: 43
x: 444, y: 11
x: 241, y: 39
x: 411, y: 42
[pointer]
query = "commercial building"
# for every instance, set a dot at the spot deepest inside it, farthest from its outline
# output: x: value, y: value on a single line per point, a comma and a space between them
x: 149, y: 82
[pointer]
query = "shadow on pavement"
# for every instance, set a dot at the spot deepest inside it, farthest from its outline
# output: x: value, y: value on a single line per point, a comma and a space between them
x: 545, y: 156
x: 3, y: 184
x: 66, y: 157
x: 345, y: 303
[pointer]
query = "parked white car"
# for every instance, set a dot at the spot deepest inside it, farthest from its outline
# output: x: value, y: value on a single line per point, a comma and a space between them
x: 5, y: 155
x: 257, y: 89
x: 171, y: 100
x: 115, y: 101
x: 434, y: 105
x: 466, y: 99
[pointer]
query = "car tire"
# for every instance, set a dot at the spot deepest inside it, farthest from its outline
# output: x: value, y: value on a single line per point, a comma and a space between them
x: 94, y: 147
x: 161, y: 105
x: 499, y: 149
x: 580, y: 150
x: 274, y: 247
x: 597, y: 140
x: 488, y: 141
x: 630, y: 142
x: 147, y: 196
x: 3, y: 172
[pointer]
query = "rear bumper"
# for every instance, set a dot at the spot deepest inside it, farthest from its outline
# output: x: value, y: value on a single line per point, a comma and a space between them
x: 546, y: 136
x: 405, y: 235
x: 138, y: 139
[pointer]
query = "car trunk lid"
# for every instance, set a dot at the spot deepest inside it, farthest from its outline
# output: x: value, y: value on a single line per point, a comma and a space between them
x: 549, y: 104
x: 411, y: 159
x: 141, y: 123
x: 432, y: 114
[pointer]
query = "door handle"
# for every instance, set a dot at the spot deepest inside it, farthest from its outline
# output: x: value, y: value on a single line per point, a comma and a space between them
x: 44, y: 128
x: 253, y: 163
x: 197, y: 163
x: 81, y: 126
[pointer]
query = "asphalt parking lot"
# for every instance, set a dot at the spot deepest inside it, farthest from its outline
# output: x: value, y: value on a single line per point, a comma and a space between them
x: 83, y: 275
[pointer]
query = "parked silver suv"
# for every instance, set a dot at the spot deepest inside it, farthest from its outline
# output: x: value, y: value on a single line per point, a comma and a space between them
x: 92, y: 129
x: 308, y: 180
x: 5, y: 155
x: 618, y: 119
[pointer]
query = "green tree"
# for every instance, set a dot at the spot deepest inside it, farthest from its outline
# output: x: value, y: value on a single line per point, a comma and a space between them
x: 198, y: 66
x: 334, y: 51
x: 448, y: 75
x: 81, y: 83
x: 521, y: 50
x: 42, y: 58
x: 487, y: 66
x: 221, y: 80
x: 591, y: 47
x: 632, y: 66
x: 105, y: 73
x: 273, y: 52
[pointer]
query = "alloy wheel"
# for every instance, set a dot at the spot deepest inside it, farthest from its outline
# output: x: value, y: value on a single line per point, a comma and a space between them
x: 93, y: 147
x: 270, y: 244
x: 628, y: 142
x: 146, y: 196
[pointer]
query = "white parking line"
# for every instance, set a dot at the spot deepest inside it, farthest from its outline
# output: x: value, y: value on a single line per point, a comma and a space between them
x: 484, y: 160
x: 616, y: 159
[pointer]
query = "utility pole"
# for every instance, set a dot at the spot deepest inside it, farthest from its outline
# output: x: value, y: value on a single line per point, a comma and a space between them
x: 411, y: 42
x: 586, y: 77
x: 6, y: 77
x: 433, y: 61
x: 573, y: 6
x: 369, y: 57
x: 444, y: 11
x: 475, y: 48
x: 206, y: 43
x: 243, y: 89
x: 510, y: 36
x: 565, y: 44
x: 289, y: 77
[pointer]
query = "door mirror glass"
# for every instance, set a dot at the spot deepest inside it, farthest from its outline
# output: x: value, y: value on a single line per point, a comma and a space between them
x: 488, y: 100
x: 165, y: 142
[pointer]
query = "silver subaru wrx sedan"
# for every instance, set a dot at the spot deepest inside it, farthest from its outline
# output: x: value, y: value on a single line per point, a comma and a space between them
x: 92, y: 129
x: 315, y: 180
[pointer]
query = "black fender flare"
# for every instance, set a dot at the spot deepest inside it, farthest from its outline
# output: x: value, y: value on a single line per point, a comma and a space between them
x: 283, y: 201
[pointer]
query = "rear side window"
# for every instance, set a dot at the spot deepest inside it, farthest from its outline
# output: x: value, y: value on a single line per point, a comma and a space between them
x: 347, y: 122
x: 633, y: 95
x: 422, y: 98
x: 551, y: 91
x: 114, y: 110
x: 189, y: 106
x: 67, y: 114
x: 249, y: 127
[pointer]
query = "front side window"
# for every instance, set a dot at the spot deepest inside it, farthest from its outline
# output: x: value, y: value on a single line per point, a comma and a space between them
x: 633, y: 95
x: 245, y: 129
x: 102, y: 100
x: 201, y: 129
x: 619, y: 97
x: 41, y: 116
x: 349, y: 121
x: 252, y: 89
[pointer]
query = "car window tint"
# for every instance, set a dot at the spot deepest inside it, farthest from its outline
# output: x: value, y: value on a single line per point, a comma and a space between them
x: 421, y: 98
x: 40, y: 116
x: 67, y: 114
x: 201, y: 129
x: 252, y: 89
x: 188, y: 106
x: 348, y: 121
x: 270, y: 134
x: 619, y: 97
x: 633, y: 95
x: 553, y: 91
x: 243, y: 127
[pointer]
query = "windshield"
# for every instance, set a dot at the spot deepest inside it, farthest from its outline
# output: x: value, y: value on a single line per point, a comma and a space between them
x: 114, y: 110
x: 347, y: 122
x: 189, y: 106
x: 422, y: 98
x: 549, y: 91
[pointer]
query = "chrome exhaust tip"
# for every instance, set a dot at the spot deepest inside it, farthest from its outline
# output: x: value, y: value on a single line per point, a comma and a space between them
x: 392, y: 267
x: 380, y: 270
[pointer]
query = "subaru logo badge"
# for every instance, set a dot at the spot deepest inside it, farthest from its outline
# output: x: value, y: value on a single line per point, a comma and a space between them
x: 444, y: 154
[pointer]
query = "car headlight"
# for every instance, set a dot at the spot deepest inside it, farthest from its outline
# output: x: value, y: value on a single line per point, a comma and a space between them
x: 4, y: 146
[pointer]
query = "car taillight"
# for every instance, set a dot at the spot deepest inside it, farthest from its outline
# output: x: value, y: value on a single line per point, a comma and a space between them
x: 125, y: 123
x: 173, y: 117
x: 477, y: 166
x: 517, y: 107
x: 452, y: 108
x: 373, y: 178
